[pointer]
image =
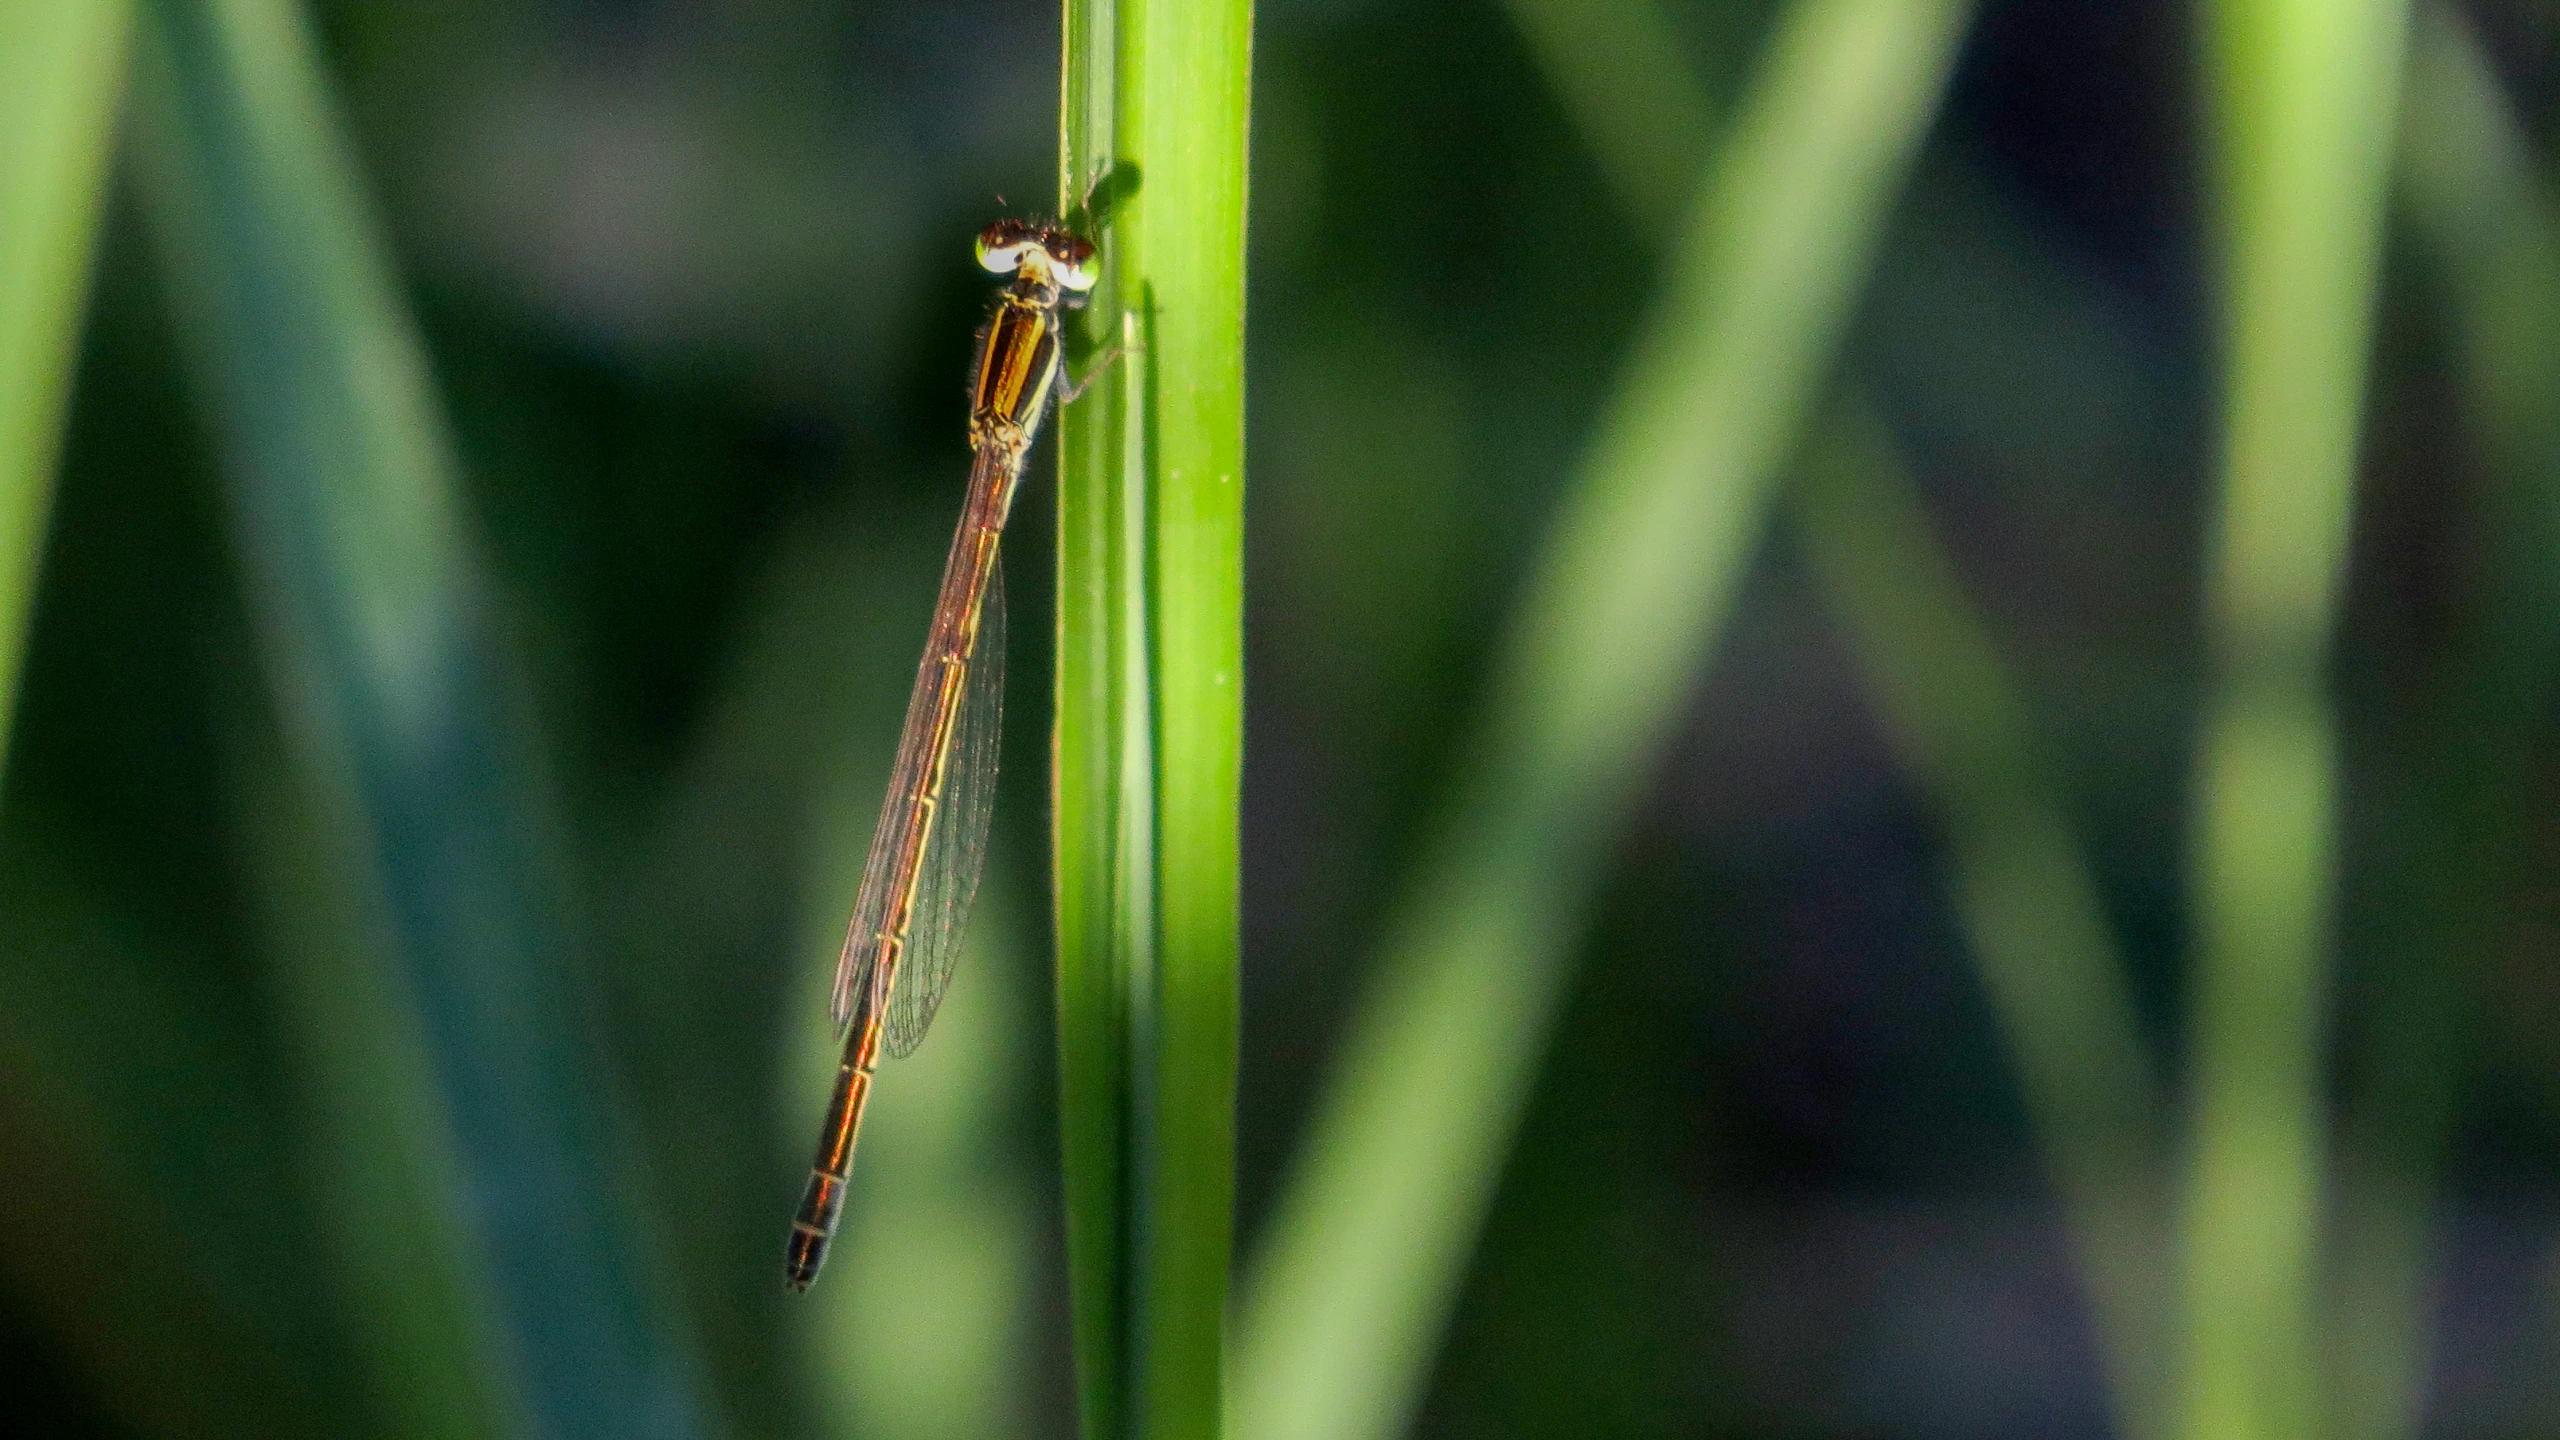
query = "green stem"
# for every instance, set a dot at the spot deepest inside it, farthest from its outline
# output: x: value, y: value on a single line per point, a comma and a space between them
x: 1150, y: 707
x: 2303, y: 95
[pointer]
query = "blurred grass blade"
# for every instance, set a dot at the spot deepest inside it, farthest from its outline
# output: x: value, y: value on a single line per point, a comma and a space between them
x: 1150, y: 709
x: 61, y: 69
x: 381, y: 1164
x: 2029, y: 906
x: 390, y: 674
x: 1369, y: 1244
x: 2302, y: 96
x: 2020, y: 886
x: 1618, y: 68
x: 2470, y: 183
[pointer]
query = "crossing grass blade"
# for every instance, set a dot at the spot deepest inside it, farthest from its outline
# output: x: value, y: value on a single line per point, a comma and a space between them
x: 2040, y: 938
x: 61, y: 71
x: 2470, y: 184
x: 1959, y: 725
x: 2488, y: 238
x: 1362, y: 1264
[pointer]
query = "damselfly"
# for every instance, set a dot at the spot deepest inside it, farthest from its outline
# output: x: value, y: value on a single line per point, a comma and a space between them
x: 925, y: 857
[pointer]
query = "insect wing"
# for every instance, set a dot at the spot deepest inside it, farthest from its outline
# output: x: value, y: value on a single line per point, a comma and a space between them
x: 885, y: 874
x: 956, y: 853
x: 862, y: 938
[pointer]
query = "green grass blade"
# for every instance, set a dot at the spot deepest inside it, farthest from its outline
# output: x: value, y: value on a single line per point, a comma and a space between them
x: 380, y: 1162
x: 2029, y: 906
x: 2469, y: 181
x: 1960, y: 726
x: 61, y: 69
x: 2302, y: 95
x: 2471, y: 185
x: 1369, y: 1243
x: 1102, y: 803
x: 1150, y: 710
x: 1618, y: 68
x: 391, y: 677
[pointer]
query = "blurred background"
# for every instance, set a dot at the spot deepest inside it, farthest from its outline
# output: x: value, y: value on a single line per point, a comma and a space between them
x: 696, y: 296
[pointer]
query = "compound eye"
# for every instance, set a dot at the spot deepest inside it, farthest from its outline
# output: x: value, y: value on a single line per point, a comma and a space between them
x: 1072, y: 257
x: 1001, y: 246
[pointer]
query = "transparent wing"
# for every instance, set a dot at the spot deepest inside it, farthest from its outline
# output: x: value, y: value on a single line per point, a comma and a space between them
x: 955, y: 854
x: 955, y: 848
x: 929, y: 845
x: 861, y: 953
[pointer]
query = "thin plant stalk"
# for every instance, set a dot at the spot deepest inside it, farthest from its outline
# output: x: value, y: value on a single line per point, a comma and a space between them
x: 1150, y: 705
x: 2302, y: 98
